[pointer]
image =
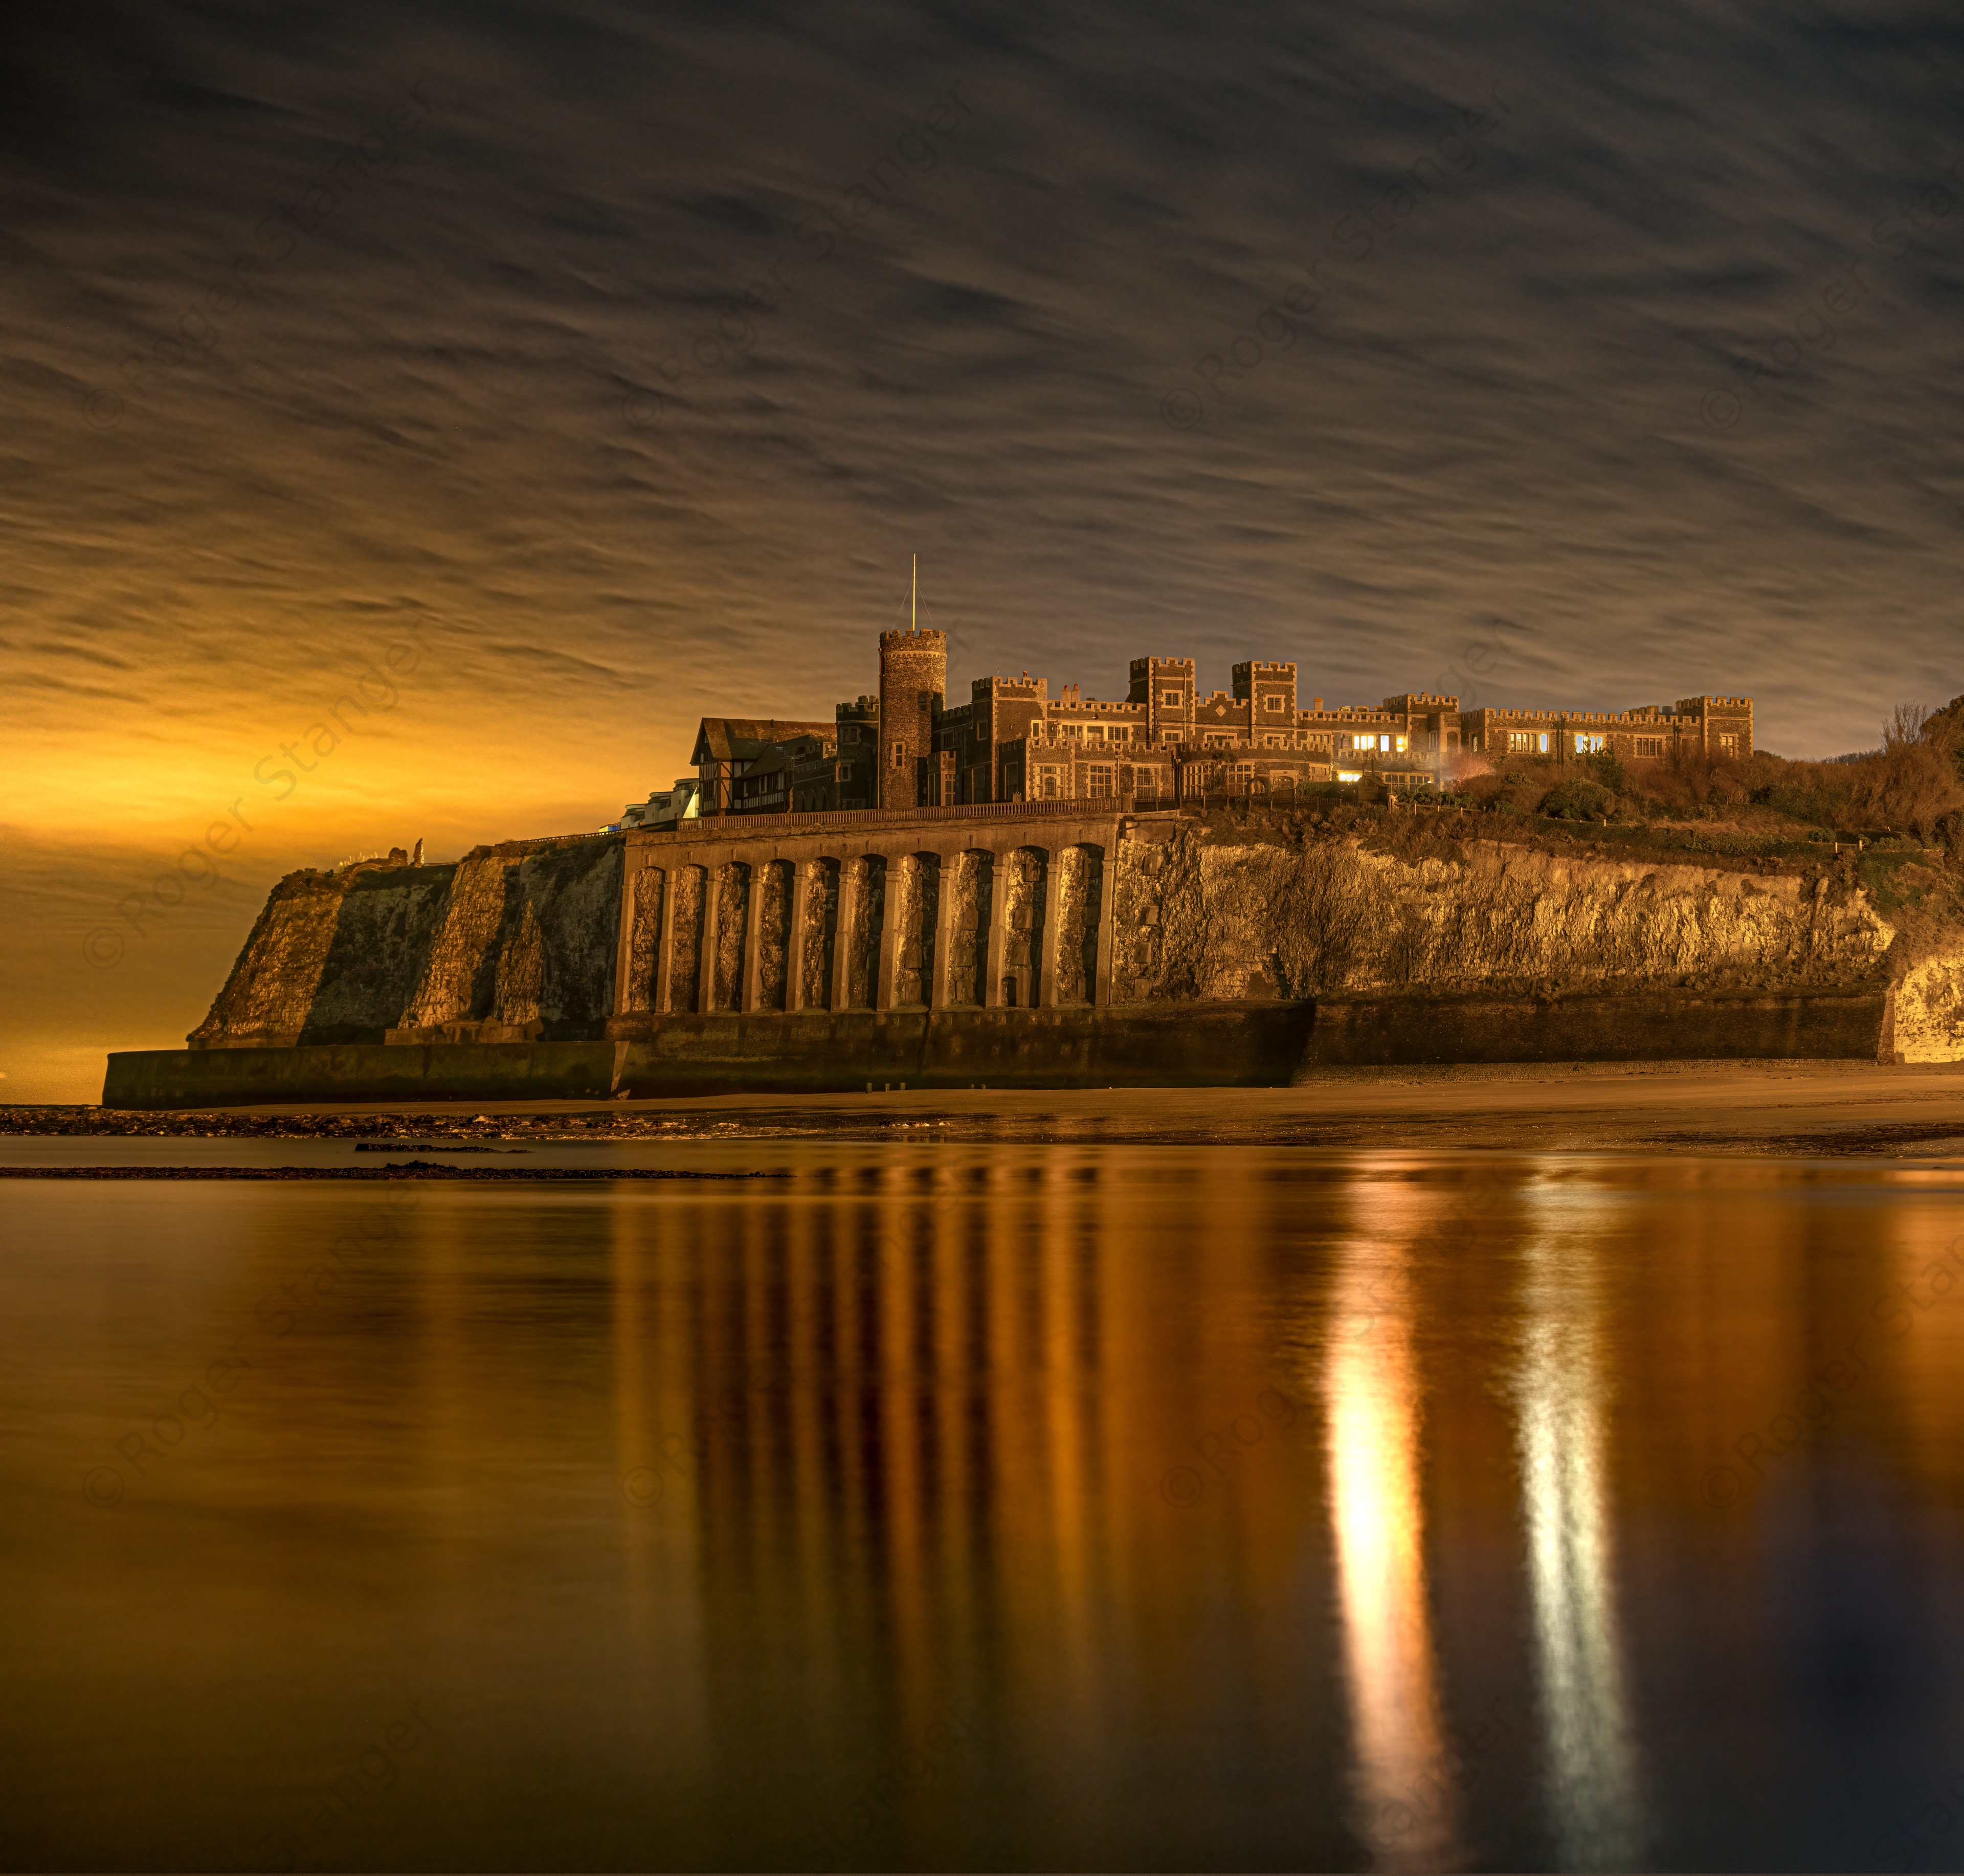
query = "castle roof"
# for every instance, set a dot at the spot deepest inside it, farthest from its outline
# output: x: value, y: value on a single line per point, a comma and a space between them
x: 725, y: 738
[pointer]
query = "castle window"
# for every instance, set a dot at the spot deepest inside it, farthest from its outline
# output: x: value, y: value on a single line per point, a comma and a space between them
x: 1169, y: 736
x: 1586, y: 745
x: 1101, y: 778
x: 1275, y: 702
x: 1049, y: 785
x: 1171, y: 699
x: 899, y: 754
x: 1729, y: 744
x: 1146, y: 781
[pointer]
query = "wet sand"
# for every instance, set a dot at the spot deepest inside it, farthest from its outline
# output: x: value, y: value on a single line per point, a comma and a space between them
x: 1783, y: 1107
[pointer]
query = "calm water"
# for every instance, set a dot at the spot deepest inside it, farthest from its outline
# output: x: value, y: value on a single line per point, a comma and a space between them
x: 960, y: 1505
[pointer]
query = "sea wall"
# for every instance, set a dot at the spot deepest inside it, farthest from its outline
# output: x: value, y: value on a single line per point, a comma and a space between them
x: 1268, y: 1044
x: 1224, y: 1045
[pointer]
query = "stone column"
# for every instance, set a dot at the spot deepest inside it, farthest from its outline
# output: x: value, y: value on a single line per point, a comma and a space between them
x: 1046, y: 997
x: 889, y: 933
x: 712, y: 894
x: 665, y: 941
x: 1108, y: 906
x: 998, y: 926
x: 623, y: 947
x: 950, y: 868
x: 794, y: 945
x: 844, y: 929
x: 749, y: 979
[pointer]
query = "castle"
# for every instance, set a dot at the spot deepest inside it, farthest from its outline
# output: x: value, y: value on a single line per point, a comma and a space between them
x: 1162, y: 743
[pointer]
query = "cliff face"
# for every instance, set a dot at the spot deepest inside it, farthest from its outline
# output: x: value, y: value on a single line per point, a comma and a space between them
x: 511, y: 943
x: 1926, y: 1012
x: 1199, y: 920
x: 518, y: 942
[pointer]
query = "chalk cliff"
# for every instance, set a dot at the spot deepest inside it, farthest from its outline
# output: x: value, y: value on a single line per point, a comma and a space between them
x: 1199, y: 919
x: 512, y: 943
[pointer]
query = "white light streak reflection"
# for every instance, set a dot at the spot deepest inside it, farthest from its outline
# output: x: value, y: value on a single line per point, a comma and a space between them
x: 1590, y: 1764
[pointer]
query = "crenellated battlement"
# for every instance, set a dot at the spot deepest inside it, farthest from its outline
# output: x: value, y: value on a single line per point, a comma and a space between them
x: 1015, y: 739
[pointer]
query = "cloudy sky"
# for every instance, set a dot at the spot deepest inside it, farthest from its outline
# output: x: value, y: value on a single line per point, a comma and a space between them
x: 545, y: 377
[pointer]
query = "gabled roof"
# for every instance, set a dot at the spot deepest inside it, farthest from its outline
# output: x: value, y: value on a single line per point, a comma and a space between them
x: 727, y: 738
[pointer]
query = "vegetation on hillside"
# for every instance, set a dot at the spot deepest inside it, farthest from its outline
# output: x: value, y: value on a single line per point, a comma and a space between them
x: 1912, y: 787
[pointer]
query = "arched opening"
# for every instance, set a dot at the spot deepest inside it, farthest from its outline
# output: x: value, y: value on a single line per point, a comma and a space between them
x: 1025, y: 875
x: 774, y: 932
x: 817, y: 959
x: 868, y: 875
x: 685, y: 938
x: 733, y: 912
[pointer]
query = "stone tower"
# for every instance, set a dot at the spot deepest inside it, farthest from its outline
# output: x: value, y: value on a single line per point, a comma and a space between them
x: 914, y: 674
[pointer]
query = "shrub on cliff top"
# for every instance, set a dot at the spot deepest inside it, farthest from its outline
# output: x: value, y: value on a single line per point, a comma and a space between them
x: 1913, y: 782
x: 1578, y: 800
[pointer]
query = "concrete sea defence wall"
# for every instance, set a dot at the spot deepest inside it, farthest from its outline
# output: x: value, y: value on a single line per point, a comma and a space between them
x: 1253, y: 1044
x: 812, y: 1052
x: 1657, y: 1026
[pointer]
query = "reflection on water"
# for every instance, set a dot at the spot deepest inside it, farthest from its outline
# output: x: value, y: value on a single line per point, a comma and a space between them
x: 984, y: 1506
x: 1587, y: 1764
x: 1377, y: 1508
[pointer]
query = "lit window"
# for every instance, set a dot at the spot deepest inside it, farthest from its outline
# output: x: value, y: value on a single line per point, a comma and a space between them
x: 1401, y: 746
x: 1544, y: 743
x: 1350, y: 774
x: 1587, y: 745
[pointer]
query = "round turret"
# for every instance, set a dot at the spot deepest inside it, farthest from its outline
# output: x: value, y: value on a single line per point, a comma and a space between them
x: 913, y: 677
